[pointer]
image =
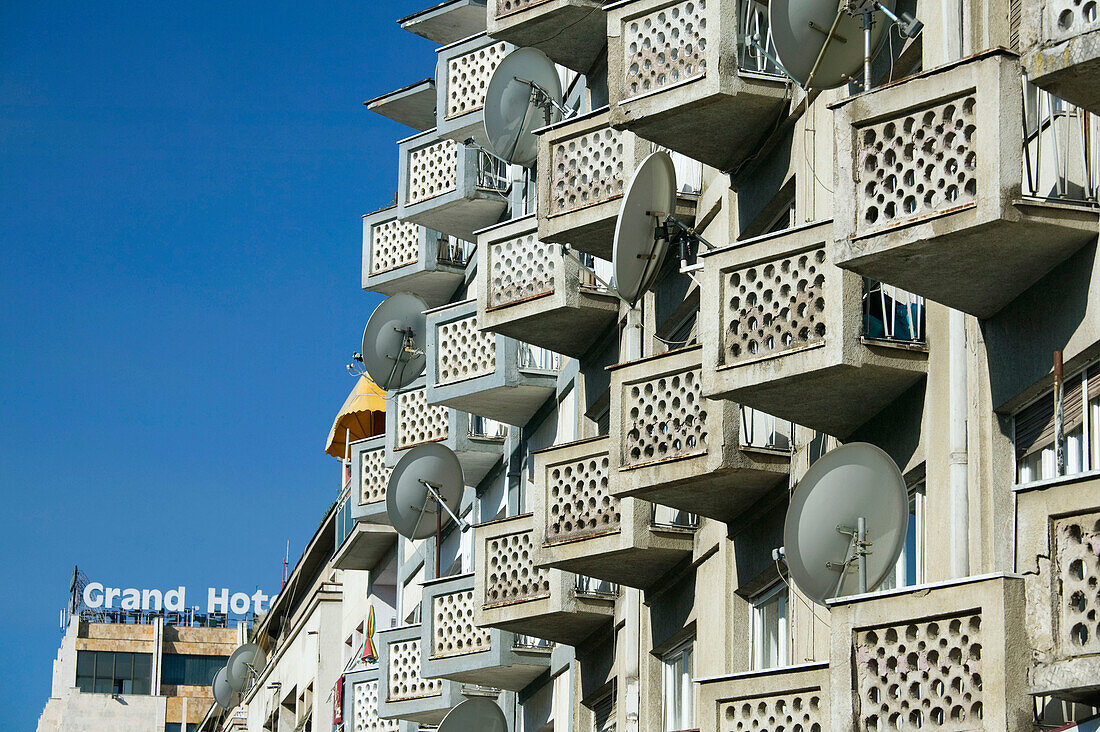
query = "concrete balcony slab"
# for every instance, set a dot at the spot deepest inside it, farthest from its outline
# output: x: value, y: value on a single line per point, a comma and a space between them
x: 460, y: 650
x: 489, y: 375
x: 449, y: 187
x: 951, y: 655
x: 534, y: 291
x: 1061, y: 49
x: 512, y: 594
x: 399, y: 256
x: 794, y: 697
x: 448, y: 21
x: 581, y: 527
x: 413, y: 105
x: 679, y: 72
x: 787, y: 332
x: 571, y: 32
x: 931, y: 191
x: 672, y: 446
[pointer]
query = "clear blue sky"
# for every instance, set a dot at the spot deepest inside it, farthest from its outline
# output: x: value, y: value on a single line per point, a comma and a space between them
x: 180, y: 192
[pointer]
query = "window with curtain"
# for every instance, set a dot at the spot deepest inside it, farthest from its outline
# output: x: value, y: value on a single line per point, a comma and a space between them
x: 678, y: 697
x: 114, y: 672
x: 909, y: 569
x: 769, y: 628
x: 190, y: 670
x: 1034, y: 430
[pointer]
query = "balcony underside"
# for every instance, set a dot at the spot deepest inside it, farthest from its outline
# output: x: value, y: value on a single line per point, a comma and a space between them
x: 833, y: 398
x: 1070, y: 70
x: 571, y: 33
x: 514, y: 677
x: 455, y: 215
x: 434, y: 286
x: 564, y: 329
x: 720, y: 128
x: 592, y: 229
x: 1073, y: 679
x: 509, y: 404
x: 447, y: 22
x: 606, y: 559
x: 976, y: 269
x: 365, y: 546
x: 413, y: 105
x: 723, y: 495
x: 538, y: 620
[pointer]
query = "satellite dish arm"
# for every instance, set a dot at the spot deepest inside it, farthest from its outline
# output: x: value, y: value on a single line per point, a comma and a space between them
x: 545, y: 99
x: 433, y: 490
x: 825, y: 47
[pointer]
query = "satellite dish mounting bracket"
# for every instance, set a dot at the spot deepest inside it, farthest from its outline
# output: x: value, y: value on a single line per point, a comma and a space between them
x: 858, y: 550
x: 544, y: 99
x: 433, y: 495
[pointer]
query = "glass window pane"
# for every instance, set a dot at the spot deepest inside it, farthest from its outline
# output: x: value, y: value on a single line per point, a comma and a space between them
x: 104, y: 665
x: 85, y: 663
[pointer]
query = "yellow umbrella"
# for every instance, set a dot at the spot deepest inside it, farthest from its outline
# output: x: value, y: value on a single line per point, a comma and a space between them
x: 363, y: 415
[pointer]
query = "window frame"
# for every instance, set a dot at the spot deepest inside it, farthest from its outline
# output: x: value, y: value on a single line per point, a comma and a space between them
x: 673, y: 668
x: 781, y: 591
x: 1086, y: 433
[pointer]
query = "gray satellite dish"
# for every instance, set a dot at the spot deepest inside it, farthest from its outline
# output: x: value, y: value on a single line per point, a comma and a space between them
x: 803, y: 31
x: 641, y: 236
x: 524, y: 94
x: 846, y: 524
x: 393, y: 341
x: 482, y: 715
x: 225, y: 695
x: 244, y: 664
x: 425, y: 481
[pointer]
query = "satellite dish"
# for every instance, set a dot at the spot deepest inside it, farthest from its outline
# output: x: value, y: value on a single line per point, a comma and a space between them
x: 225, y: 695
x: 243, y: 665
x: 641, y: 237
x: 426, y: 480
x: 393, y: 341
x: 800, y: 30
x: 852, y: 486
x: 478, y: 714
x: 524, y: 94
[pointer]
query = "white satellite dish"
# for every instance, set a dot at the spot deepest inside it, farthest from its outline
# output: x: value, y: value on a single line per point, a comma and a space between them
x: 523, y: 94
x: 393, y: 341
x: 846, y: 524
x: 224, y: 694
x: 426, y: 483
x: 482, y: 715
x: 243, y: 665
x: 641, y: 235
x: 822, y: 43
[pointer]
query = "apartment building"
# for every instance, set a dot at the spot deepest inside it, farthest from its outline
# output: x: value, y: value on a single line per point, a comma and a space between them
x: 911, y: 265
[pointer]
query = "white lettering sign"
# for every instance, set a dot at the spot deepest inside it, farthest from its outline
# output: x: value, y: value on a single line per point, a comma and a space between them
x: 96, y: 596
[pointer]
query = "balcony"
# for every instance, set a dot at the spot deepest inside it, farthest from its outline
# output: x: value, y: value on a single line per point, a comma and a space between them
x: 679, y: 72
x: 460, y: 650
x: 448, y: 187
x: 448, y: 21
x: 532, y: 290
x: 363, y: 533
x: 673, y: 447
x: 405, y: 693
x: 1061, y: 41
x: 948, y: 655
x: 361, y: 703
x: 941, y: 193
x: 571, y: 32
x: 511, y: 593
x: 462, y: 72
x: 412, y: 421
x: 581, y: 527
x: 485, y: 374
x: 588, y: 165
x: 1058, y: 553
x: 790, y: 698
x: 413, y: 105
x: 399, y: 256
x: 788, y: 333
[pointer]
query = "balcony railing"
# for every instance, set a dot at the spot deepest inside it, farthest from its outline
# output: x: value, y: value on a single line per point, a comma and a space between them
x: 755, y: 48
x: 668, y: 517
x: 1061, y: 148
x: 762, y: 431
x: 592, y: 587
x: 539, y: 359
x: 492, y: 173
x: 484, y: 428
x: 892, y: 314
x: 453, y: 630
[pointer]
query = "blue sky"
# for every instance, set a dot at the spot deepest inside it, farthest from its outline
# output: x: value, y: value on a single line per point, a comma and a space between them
x: 180, y: 192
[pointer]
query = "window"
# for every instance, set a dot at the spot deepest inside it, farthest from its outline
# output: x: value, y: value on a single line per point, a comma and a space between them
x: 190, y: 670
x: 769, y: 628
x: 175, y: 727
x: 411, y: 594
x: 909, y: 570
x: 1034, y: 430
x: 110, y: 672
x: 678, y: 697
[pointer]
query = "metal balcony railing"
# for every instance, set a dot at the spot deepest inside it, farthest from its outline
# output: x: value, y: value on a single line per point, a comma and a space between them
x: 541, y: 359
x: 492, y: 172
x: 531, y: 643
x: 666, y: 516
x: 453, y: 251
x: 1061, y: 148
x: 344, y: 520
x: 487, y: 429
x: 592, y: 587
x: 753, y: 35
x: 600, y: 281
x: 892, y: 314
x: 764, y: 431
